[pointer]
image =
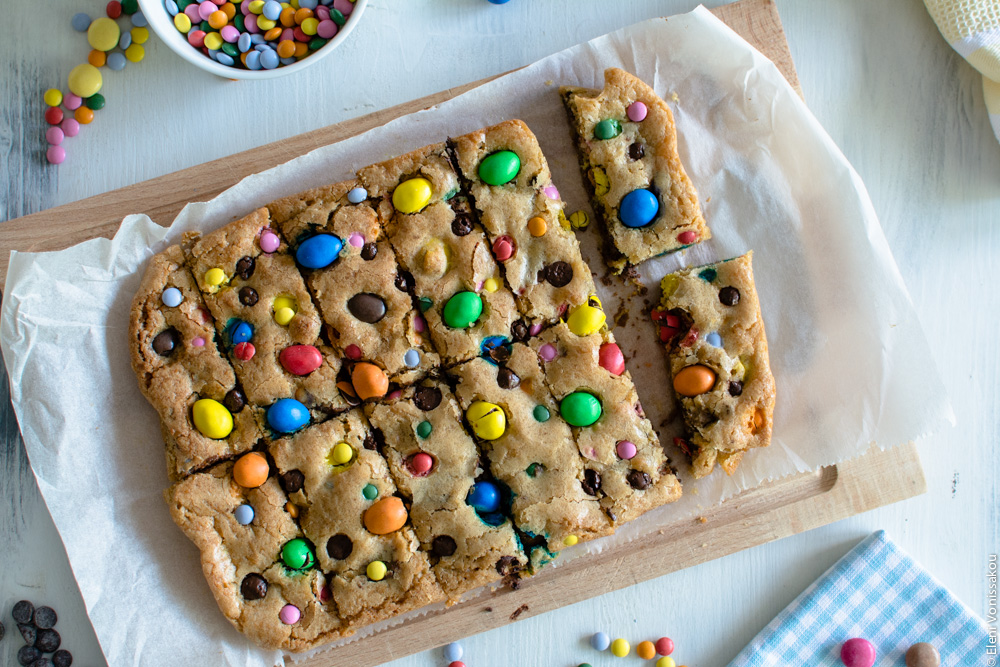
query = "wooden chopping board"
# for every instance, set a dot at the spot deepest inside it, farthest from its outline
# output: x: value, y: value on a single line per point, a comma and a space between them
x: 767, y: 513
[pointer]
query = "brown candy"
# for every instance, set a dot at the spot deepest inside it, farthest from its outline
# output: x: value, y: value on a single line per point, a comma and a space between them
x: 248, y: 296
x: 637, y: 479
x: 404, y: 281
x: 636, y: 151
x: 735, y: 388
x: 166, y: 341
x: 558, y: 274
x: 234, y: 400
x: 729, y: 296
x: 461, y: 225
x: 923, y: 655
x: 367, y: 307
x: 507, y: 379
x: 292, y: 480
x: 369, y: 251
x: 591, y: 482
x: 253, y: 587
x: 427, y: 398
x: 519, y: 331
x: 245, y: 267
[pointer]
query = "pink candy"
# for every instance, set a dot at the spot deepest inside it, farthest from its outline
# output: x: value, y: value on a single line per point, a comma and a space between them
x: 230, y: 33
x: 198, y: 342
x: 625, y: 449
x: 356, y: 240
x: 352, y: 351
x: 326, y: 28
x: 196, y: 38
x: 636, y: 111
x: 70, y: 127
x: 419, y: 324
x: 551, y: 192
x: 345, y: 7
x: 548, y: 352
x: 857, y: 652
x: 72, y: 102
x: 687, y: 237
x: 503, y: 248
x: 205, y: 9
x: 55, y: 154
x: 611, y: 359
x: 269, y: 241
x: 54, y: 136
x: 420, y: 464
x: 289, y: 614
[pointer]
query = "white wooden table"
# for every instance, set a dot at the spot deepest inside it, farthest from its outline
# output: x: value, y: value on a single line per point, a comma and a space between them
x: 905, y: 109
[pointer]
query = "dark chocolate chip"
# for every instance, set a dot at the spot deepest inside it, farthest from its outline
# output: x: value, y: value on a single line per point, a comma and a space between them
x: 28, y: 631
x: 637, y: 479
x: 591, y: 482
x: 339, y: 546
x: 729, y: 296
x: 248, y: 296
x: 48, y: 640
x: 404, y: 281
x: 735, y: 388
x: 62, y: 658
x: 23, y: 611
x: 507, y: 379
x: 507, y: 565
x: 164, y: 344
x: 43, y: 662
x: 292, y: 480
x: 45, y: 618
x: 443, y: 546
x: 245, y: 267
x: 234, y: 400
x: 27, y: 655
x: 519, y: 331
x: 369, y: 251
x: 636, y: 151
x: 254, y: 587
x: 559, y: 274
x: 367, y: 307
x: 370, y: 442
x: 427, y: 398
x: 461, y: 225
x: 499, y: 354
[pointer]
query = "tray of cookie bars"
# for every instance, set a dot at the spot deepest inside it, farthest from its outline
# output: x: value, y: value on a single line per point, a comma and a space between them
x: 426, y: 378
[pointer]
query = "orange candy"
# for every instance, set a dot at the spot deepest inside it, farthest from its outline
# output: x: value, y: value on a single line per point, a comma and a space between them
x: 537, y: 226
x: 272, y: 34
x: 218, y: 19
x: 302, y: 15
x: 286, y: 48
x: 369, y: 381
x: 229, y: 9
x: 250, y: 470
x: 292, y: 509
x: 386, y: 516
x: 287, y: 17
x: 97, y: 58
x: 645, y: 650
x: 83, y: 115
x: 301, y: 49
x: 694, y: 380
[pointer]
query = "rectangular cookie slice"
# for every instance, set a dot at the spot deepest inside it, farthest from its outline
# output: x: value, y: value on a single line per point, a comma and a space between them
x: 347, y: 507
x: 241, y: 533
x: 457, y: 284
x: 436, y: 464
x: 509, y: 181
x: 709, y: 318
x: 177, y: 363
x: 624, y: 467
x: 535, y: 454
x: 265, y: 316
x: 369, y: 316
x: 628, y: 154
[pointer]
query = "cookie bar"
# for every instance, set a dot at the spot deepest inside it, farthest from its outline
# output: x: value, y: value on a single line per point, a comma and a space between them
x: 436, y: 465
x: 628, y: 153
x: 347, y: 507
x: 457, y: 283
x: 242, y: 534
x: 175, y: 358
x: 709, y: 317
x: 519, y: 207
x: 265, y: 316
x: 534, y: 453
x: 624, y: 467
x: 369, y: 317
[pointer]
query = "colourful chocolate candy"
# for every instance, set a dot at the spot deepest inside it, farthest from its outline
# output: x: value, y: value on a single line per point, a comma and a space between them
x: 297, y: 554
x: 287, y: 415
x: 300, y: 359
x: 318, y: 252
x: 244, y: 514
x: 412, y: 196
x: 587, y: 318
x: 608, y: 128
x: 638, y: 208
x: 580, y: 408
x: 694, y: 380
x: 462, y: 310
x: 611, y: 359
x: 857, y: 652
x: 499, y: 168
x: 251, y: 470
x: 212, y: 419
x: 487, y: 420
x: 620, y: 648
x: 376, y: 570
x: 484, y: 497
x: 385, y: 516
x: 369, y: 381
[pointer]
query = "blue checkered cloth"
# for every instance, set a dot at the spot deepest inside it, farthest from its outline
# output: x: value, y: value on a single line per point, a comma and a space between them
x: 877, y: 592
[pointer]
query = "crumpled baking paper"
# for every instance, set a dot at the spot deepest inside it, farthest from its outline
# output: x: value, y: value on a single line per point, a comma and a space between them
x: 851, y: 363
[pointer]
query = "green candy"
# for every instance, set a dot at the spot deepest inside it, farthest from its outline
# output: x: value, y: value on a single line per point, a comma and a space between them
x: 499, y: 168
x: 580, y: 409
x: 337, y: 17
x: 238, y: 21
x: 370, y: 492
x: 608, y: 129
x: 206, y: 27
x: 297, y: 554
x: 95, y: 102
x: 708, y: 275
x: 540, y: 413
x: 462, y: 310
x: 130, y: 6
x: 425, y: 304
x: 424, y: 429
x: 316, y: 43
x: 230, y: 50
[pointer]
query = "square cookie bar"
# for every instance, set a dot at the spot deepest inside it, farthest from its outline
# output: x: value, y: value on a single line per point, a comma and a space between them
x: 267, y: 320
x: 510, y: 184
x: 247, y: 538
x: 531, y: 449
x: 350, y: 269
x: 624, y: 467
x: 179, y: 366
x: 709, y: 317
x: 347, y: 507
x: 628, y: 154
x: 459, y: 516
x: 457, y: 283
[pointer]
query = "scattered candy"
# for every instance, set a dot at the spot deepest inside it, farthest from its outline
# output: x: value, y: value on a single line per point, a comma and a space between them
x: 548, y: 352
x: 499, y: 168
x: 459, y: 663
x: 571, y: 540
x: 171, y: 297
x: 285, y: 308
x: 289, y: 614
x: 83, y: 116
x: 251, y: 470
x: 666, y: 662
x: 287, y: 415
x: 620, y: 648
x: 269, y: 241
x: 412, y: 195
x: 579, y: 219
x: 244, y: 514
x: 580, y: 408
x: 463, y: 310
x: 664, y: 645
x: 376, y: 570
x: 53, y: 115
x: 370, y: 492
x: 420, y: 463
x: 116, y: 61
x: 244, y: 351
x: 341, y: 454
x: 54, y: 136
x: 80, y: 23
x: 484, y: 497
x: 103, y: 35
x: 317, y: 252
x: 923, y: 655
x: 53, y: 97
x: 297, y: 554
x: 488, y: 421
x: 645, y: 650
x: 72, y: 102
x: 694, y: 380
x: 212, y: 419
x: 600, y: 641
x: 687, y: 237
x: 453, y: 652
x: 587, y: 318
x: 368, y: 308
x: 857, y: 652
x: 369, y: 381
x: 638, y: 208
x: 385, y: 516
x: 541, y: 413
x: 504, y: 248
x: 636, y: 112
x: 240, y: 332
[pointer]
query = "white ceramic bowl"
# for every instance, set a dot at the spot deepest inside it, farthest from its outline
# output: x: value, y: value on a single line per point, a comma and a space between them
x: 163, y: 25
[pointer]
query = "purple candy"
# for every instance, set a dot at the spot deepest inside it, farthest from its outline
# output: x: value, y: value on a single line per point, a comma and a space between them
x: 326, y: 29
x: 322, y: 13
x: 251, y: 24
x: 345, y: 6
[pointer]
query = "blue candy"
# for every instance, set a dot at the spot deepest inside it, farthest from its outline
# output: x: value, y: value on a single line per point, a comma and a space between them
x: 638, y: 208
x: 253, y: 60
x: 244, y: 42
x: 319, y: 251
x: 600, y: 641
x: 287, y: 416
x: 484, y: 497
x: 499, y: 2
x: 452, y: 651
x: 225, y: 59
x: 714, y: 339
x: 240, y: 332
x: 288, y: 61
x: 244, y: 514
x: 125, y: 41
x: 172, y: 7
x: 116, y: 61
x: 272, y: 10
x: 308, y: 4
x: 80, y: 22
x: 268, y: 59
x: 139, y: 20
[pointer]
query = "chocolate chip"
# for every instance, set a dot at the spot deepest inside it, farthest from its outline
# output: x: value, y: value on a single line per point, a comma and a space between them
x: 234, y: 400
x: 62, y: 658
x: 559, y: 274
x: 27, y: 655
x: 499, y: 354
x: 507, y: 379
x: 48, y: 640
x: 248, y: 296
x: 735, y: 388
x: 637, y: 479
x: 43, y: 662
x: 164, y: 344
x: 636, y: 151
x: 292, y: 480
x: 591, y: 482
x: 427, y: 398
x: 367, y: 307
x: 254, y: 587
x: 23, y: 611
x: 443, y: 546
x: 368, y: 251
x: 404, y: 281
x: 729, y: 296
x: 370, y: 442
x: 519, y: 331
x: 245, y: 267
x: 28, y: 632
x: 45, y: 618
x: 507, y: 565
x: 461, y: 225
x: 339, y: 546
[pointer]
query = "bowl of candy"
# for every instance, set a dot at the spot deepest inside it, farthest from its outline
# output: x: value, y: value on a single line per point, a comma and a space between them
x: 252, y: 39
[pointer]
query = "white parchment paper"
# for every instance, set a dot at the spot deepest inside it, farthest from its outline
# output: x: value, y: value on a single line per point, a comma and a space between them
x: 851, y: 363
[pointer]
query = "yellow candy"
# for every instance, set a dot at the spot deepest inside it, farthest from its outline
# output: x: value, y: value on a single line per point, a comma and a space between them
x: 213, y: 41
x: 537, y: 226
x: 579, y: 219
x: 255, y: 6
x: 309, y: 26
x: 571, y: 540
x: 103, y: 34
x: 136, y: 52
x: 376, y: 570
x: 140, y: 35
x: 491, y: 285
x: 215, y: 277
x: 340, y: 454
x: 53, y: 97
x: 488, y: 421
x: 412, y: 195
x: 587, y: 318
x: 182, y: 23
x: 266, y: 24
x: 601, y: 182
x: 666, y: 661
x: 620, y: 648
x: 212, y: 419
x: 285, y: 308
x: 669, y: 285
x: 85, y: 80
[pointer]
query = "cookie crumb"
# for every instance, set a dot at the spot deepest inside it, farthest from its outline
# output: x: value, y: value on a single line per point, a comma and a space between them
x: 517, y: 612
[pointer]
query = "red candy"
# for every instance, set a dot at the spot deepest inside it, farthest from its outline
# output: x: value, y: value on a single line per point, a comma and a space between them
x: 857, y: 652
x: 457, y: 663
x: 114, y: 9
x: 504, y: 248
x: 196, y: 38
x: 353, y: 352
x: 664, y: 645
x: 690, y: 338
x: 611, y: 359
x: 244, y: 351
x: 53, y: 115
x: 687, y: 237
x: 300, y: 359
x: 420, y: 464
